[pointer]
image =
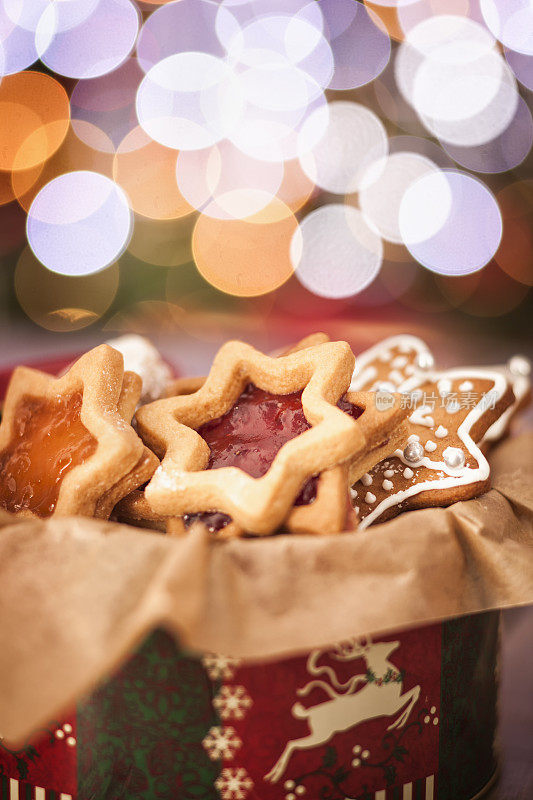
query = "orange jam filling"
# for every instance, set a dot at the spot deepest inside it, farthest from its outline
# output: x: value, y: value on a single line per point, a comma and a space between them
x: 49, y: 439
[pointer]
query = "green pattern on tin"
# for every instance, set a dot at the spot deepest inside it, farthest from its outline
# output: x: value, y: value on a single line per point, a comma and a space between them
x: 469, y: 689
x: 140, y: 736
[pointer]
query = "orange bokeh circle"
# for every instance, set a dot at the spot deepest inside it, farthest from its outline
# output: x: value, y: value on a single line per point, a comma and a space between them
x: 34, y: 119
x: 146, y: 170
x: 515, y: 253
x: 246, y: 257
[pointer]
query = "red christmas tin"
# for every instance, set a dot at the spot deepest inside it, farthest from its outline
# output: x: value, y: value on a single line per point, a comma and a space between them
x: 408, y: 716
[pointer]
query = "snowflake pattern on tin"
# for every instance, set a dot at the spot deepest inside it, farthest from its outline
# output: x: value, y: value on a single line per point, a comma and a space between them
x: 221, y: 742
x: 232, y: 702
x: 220, y: 667
x: 234, y: 784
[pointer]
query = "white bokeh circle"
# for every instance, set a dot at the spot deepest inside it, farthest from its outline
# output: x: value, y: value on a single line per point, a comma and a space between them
x: 511, y: 21
x: 91, y: 44
x: 464, y: 219
x: 189, y: 101
x: 79, y: 223
x: 354, y: 139
x: 335, y: 253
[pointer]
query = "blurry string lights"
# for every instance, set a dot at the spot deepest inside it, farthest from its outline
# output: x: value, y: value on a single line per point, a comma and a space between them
x: 200, y: 128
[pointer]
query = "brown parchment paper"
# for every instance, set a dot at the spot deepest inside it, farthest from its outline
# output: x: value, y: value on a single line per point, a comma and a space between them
x: 77, y: 595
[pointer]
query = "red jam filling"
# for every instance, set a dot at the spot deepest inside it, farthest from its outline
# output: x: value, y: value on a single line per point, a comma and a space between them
x: 250, y: 435
x: 48, y: 441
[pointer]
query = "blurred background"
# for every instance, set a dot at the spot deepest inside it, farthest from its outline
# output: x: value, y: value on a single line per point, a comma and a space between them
x: 268, y: 167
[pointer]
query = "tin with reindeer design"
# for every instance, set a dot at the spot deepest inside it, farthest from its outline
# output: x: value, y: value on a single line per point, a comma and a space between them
x: 407, y: 716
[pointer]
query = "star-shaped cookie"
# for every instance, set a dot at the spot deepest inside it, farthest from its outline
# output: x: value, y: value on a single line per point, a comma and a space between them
x: 184, y: 484
x: 66, y: 447
x: 440, y: 462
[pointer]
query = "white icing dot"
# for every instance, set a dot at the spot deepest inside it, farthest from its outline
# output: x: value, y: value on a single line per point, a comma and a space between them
x: 387, y: 485
x: 433, y: 708
x: 444, y: 386
x: 436, y: 721
x: 414, y: 438
x: 453, y: 406
x: 71, y: 741
x: 370, y: 498
x: 399, y: 362
x: 353, y: 493
x: 60, y: 734
x: 356, y: 509
x: 389, y: 473
x: 466, y: 386
x: 408, y: 473
x: 366, y: 480
x: 385, y: 355
x: 441, y: 432
x: 396, y: 377
x: 67, y: 727
x: 430, y: 446
x: 410, y: 369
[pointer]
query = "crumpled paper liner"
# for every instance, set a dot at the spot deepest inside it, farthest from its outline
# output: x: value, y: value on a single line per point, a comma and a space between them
x: 78, y: 595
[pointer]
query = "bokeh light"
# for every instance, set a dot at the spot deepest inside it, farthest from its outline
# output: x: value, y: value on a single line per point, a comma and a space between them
x: 384, y: 186
x: 108, y: 103
x: 515, y: 254
x: 179, y: 27
x: 97, y: 41
x: 146, y: 171
x: 79, y: 223
x: 189, y: 101
x: 61, y: 303
x: 522, y: 66
x: 354, y: 139
x: 17, y: 34
x: 179, y: 139
x: 246, y: 257
x: 34, y: 119
x: 360, y: 48
x: 502, y: 153
x: 335, y: 253
x: 465, y: 218
x: 450, y: 71
x: 72, y: 155
x: 223, y: 182
x: 511, y: 21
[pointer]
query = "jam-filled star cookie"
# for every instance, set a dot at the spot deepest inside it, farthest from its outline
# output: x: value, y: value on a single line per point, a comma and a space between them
x: 246, y: 444
x: 66, y: 446
x: 391, y: 362
x: 440, y: 462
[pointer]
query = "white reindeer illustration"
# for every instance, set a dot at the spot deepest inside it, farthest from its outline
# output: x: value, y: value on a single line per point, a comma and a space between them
x: 347, y: 707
